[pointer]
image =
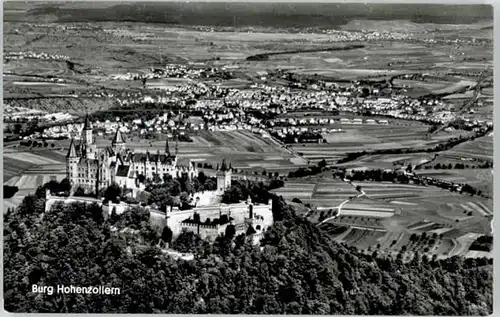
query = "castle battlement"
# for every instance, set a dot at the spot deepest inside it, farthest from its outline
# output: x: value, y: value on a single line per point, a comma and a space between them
x: 254, y: 220
x: 189, y: 224
x: 216, y: 227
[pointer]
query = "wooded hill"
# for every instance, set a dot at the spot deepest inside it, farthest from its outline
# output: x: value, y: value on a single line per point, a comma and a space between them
x: 298, y: 269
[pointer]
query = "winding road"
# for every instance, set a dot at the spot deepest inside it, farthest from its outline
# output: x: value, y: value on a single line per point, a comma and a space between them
x: 339, y: 208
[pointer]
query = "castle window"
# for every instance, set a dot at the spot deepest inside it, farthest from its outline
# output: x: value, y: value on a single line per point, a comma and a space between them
x: 257, y: 227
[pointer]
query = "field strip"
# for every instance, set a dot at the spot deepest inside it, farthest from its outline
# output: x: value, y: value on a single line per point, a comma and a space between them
x: 440, y: 230
x: 424, y: 226
x: 463, y: 243
x: 343, y: 235
x: 481, y: 204
x: 21, y: 181
x: 468, y: 208
x: 326, y: 208
x: 403, y: 203
x: 368, y: 207
x: 479, y: 208
x: 478, y: 254
x: 381, y: 185
x: 366, y: 213
x: 31, y: 158
x: 12, y: 181
x: 295, y: 194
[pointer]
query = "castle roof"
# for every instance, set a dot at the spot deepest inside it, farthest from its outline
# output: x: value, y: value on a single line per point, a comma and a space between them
x: 72, y: 150
x: 167, y: 148
x: 143, y: 157
x: 84, y: 160
x: 122, y: 170
x: 250, y: 230
x: 87, y: 125
x: 223, y: 166
x: 110, y: 151
x: 118, y: 138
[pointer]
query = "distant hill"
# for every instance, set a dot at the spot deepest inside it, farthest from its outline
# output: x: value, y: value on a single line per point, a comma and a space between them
x: 281, y: 15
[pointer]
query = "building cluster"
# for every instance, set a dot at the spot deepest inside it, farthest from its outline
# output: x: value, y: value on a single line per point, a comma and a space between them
x: 14, y: 113
x: 185, y: 71
x: 94, y: 169
x: 34, y: 55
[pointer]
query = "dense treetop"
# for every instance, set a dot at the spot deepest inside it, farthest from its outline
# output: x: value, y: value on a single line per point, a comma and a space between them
x: 297, y: 269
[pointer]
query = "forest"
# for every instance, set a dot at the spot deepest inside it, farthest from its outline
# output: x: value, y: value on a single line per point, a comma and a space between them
x: 297, y: 269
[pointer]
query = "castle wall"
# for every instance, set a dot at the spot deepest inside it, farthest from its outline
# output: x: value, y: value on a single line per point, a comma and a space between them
x: 175, y: 218
x: 157, y: 220
x: 207, y: 198
x: 207, y: 232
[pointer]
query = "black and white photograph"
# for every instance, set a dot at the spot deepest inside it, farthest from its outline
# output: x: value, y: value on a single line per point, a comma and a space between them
x: 248, y: 157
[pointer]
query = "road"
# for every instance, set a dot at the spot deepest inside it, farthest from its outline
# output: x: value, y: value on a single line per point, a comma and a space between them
x: 339, y: 208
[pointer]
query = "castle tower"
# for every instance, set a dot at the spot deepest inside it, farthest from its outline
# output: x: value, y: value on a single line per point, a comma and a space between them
x: 177, y: 146
x: 167, y: 148
x: 87, y: 136
x: 223, y: 177
x: 250, y: 207
x: 88, y: 147
x: 72, y: 163
x: 118, y: 143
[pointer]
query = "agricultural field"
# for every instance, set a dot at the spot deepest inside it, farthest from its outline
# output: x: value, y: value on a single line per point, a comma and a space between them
x: 388, y: 161
x: 389, y: 214
x: 27, y: 170
x: 480, y: 148
x: 358, y: 138
x: 478, y: 178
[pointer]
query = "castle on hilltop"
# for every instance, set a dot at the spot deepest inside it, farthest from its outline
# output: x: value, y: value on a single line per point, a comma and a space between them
x: 94, y: 169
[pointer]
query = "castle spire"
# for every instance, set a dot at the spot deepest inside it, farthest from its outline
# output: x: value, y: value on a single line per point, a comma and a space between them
x: 118, y: 138
x: 87, y: 132
x: 87, y: 125
x: 72, y: 149
x: 167, y: 148
x: 223, y: 166
x: 177, y: 146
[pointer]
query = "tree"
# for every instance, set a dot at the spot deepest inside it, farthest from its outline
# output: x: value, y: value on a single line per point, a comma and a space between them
x: 322, y: 164
x: 297, y: 268
x: 113, y: 192
x: 79, y: 191
x: 65, y: 185
x: 230, y: 232
x: 141, y: 178
x: 166, y: 235
x: 156, y: 178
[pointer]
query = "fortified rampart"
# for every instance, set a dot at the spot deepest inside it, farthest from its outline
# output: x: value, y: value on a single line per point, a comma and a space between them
x: 242, y: 215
